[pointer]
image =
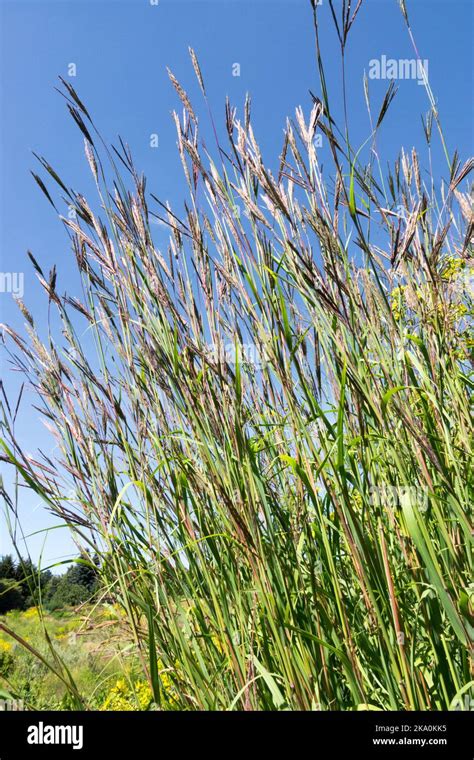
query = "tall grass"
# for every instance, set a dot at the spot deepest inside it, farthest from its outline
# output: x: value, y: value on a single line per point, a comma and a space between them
x: 271, y: 446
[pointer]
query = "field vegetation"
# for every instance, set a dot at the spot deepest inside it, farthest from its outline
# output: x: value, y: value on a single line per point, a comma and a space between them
x: 266, y: 440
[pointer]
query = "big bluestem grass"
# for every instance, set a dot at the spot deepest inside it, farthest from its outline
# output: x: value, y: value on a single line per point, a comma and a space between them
x: 269, y: 441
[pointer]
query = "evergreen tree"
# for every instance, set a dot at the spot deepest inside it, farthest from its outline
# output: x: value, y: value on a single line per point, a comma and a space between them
x: 11, y: 597
x: 7, y: 567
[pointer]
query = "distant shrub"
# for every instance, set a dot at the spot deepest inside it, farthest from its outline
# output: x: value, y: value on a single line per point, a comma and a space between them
x: 10, y: 596
x: 68, y: 595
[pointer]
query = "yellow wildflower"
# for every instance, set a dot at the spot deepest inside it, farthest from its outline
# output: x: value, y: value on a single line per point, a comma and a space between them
x: 398, y: 302
x: 31, y: 612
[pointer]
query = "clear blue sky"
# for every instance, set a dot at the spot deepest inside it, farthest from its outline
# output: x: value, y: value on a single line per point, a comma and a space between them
x: 121, y: 50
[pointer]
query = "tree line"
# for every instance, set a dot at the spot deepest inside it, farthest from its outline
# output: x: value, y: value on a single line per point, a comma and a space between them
x: 22, y: 583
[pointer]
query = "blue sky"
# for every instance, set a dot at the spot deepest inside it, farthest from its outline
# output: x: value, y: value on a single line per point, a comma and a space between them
x: 121, y: 50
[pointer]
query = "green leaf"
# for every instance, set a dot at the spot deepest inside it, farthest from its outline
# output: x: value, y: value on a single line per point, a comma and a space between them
x: 269, y: 678
x: 388, y: 395
x: 424, y: 545
x: 154, y: 675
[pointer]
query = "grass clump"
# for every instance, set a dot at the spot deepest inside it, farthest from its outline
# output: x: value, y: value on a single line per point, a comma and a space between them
x: 269, y: 439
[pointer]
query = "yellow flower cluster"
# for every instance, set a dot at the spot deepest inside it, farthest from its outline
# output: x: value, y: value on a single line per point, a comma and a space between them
x: 397, y: 302
x: 452, y: 267
x: 31, y: 613
x: 126, y: 696
x: 6, y: 657
x: 455, y: 308
x: 167, y: 685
